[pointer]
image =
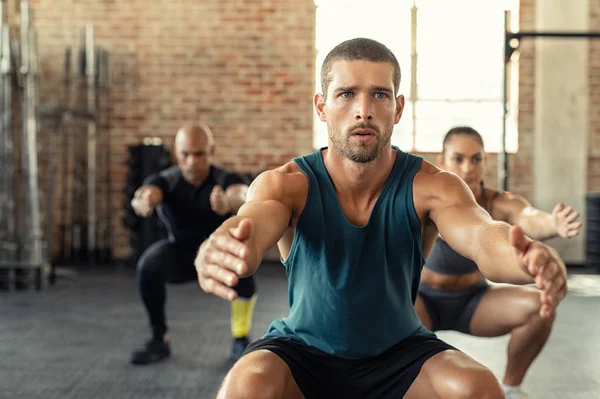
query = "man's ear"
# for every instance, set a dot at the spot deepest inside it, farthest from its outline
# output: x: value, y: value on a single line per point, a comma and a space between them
x: 319, y: 103
x: 399, y: 108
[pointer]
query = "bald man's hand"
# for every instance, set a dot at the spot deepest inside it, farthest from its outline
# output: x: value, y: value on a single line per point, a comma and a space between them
x: 219, y: 202
x: 145, y: 199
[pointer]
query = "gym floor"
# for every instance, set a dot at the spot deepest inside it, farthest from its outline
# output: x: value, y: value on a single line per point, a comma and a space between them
x: 73, y: 340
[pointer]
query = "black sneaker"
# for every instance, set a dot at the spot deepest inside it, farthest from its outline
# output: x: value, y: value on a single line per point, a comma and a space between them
x: 238, y: 347
x: 154, y: 351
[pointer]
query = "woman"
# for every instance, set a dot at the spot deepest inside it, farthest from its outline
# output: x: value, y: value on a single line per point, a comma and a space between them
x: 454, y: 295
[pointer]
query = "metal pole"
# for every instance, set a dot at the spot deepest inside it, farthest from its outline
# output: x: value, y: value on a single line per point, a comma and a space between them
x: 26, y: 253
x: 8, y: 239
x: 104, y: 221
x: 62, y: 178
x: 32, y: 150
x: 7, y: 128
x: 77, y: 182
x: 566, y: 35
x: 90, y: 71
x: 3, y: 139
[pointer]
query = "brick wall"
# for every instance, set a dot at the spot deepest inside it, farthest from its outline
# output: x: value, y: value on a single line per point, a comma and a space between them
x: 521, y: 163
x: 245, y: 67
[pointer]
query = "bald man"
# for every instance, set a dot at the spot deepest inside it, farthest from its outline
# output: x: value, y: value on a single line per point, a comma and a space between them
x: 192, y: 199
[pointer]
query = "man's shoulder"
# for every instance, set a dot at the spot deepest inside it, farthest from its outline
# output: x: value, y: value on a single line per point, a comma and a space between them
x: 166, y: 178
x: 428, y: 171
x: 171, y: 172
x: 287, y: 175
x: 284, y: 183
x: 433, y: 181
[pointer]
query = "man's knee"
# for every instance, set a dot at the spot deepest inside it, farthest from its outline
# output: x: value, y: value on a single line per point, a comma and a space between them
x: 153, y: 260
x: 474, y: 383
x: 260, y: 374
x: 453, y: 375
x: 248, y: 384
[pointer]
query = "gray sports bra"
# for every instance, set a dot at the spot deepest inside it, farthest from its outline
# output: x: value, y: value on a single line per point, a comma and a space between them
x: 445, y: 260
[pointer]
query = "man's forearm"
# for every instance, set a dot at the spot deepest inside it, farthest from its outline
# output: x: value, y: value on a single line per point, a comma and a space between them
x: 497, y: 258
x: 537, y: 224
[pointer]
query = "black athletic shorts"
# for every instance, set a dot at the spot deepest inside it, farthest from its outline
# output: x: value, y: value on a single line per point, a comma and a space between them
x: 452, y: 310
x: 323, y: 376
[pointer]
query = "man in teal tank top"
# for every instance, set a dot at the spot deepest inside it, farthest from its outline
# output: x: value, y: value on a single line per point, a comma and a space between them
x: 348, y: 222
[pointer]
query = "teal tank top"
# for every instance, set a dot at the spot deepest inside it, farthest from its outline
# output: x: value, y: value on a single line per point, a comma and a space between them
x: 352, y: 289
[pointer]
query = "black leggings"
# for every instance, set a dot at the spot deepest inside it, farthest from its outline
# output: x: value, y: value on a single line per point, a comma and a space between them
x: 167, y: 262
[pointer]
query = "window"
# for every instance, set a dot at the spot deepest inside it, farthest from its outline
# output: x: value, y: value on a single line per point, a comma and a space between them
x: 459, y: 64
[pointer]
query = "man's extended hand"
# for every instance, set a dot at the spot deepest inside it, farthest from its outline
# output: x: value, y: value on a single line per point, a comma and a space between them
x: 145, y: 200
x: 545, y: 266
x: 222, y: 259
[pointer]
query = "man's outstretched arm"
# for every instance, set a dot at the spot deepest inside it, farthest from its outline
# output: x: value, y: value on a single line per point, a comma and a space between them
x: 237, y: 247
x: 502, y: 253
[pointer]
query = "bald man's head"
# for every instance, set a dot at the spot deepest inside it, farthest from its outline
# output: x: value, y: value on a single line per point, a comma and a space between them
x: 194, y: 146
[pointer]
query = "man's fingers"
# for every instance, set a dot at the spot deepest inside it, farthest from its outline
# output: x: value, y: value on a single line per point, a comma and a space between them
x: 212, y: 286
x: 229, y: 244
x: 138, y: 193
x: 556, y: 289
x: 226, y: 260
x: 545, y: 311
x: 217, y: 190
x: 553, y: 287
x: 141, y: 208
x: 535, y: 259
x: 228, y: 253
x: 220, y: 274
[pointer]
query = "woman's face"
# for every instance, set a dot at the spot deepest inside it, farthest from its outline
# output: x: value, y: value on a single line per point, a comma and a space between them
x: 464, y: 156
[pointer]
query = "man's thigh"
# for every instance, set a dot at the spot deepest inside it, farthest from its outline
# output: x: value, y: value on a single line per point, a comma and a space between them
x: 260, y: 374
x: 453, y: 374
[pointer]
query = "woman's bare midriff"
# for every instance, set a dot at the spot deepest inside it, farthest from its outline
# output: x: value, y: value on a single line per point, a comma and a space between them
x: 446, y: 282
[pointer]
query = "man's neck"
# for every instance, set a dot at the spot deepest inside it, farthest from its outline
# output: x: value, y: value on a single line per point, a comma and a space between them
x: 198, y: 180
x: 359, y: 179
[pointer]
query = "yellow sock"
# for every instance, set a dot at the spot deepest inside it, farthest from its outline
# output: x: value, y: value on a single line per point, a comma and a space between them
x: 241, y: 316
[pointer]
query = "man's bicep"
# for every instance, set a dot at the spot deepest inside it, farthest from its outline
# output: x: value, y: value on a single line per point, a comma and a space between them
x: 458, y: 217
x: 269, y: 207
x: 461, y: 227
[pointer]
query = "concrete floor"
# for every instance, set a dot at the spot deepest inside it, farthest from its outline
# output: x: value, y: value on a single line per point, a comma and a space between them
x: 73, y: 340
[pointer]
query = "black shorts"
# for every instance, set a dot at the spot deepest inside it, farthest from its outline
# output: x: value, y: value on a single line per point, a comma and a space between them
x: 450, y: 310
x: 321, y: 375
